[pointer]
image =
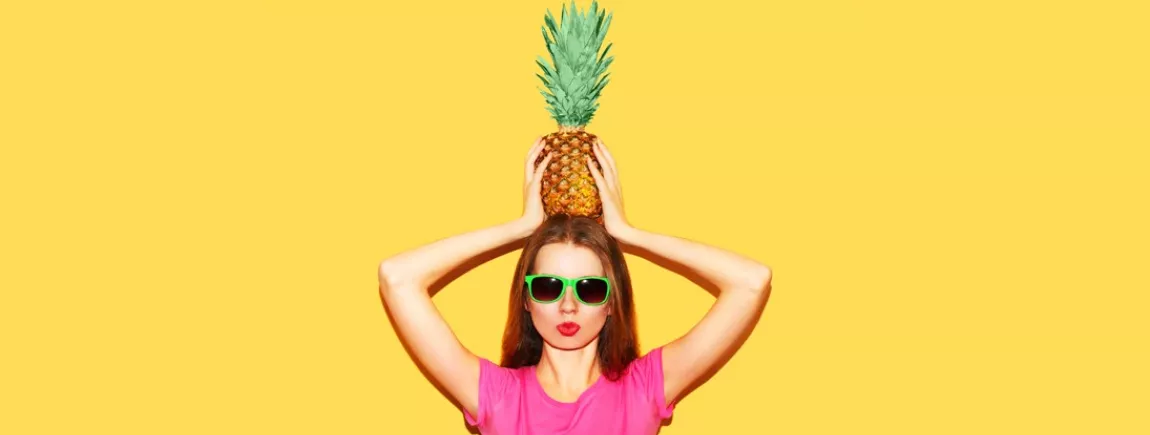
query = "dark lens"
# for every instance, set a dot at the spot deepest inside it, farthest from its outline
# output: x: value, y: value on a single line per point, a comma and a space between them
x: 592, y: 291
x: 546, y: 289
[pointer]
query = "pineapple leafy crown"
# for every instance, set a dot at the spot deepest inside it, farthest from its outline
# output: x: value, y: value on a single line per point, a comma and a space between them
x: 574, y: 78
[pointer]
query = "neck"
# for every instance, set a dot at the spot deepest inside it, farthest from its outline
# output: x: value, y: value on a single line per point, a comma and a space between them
x: 569, y: 370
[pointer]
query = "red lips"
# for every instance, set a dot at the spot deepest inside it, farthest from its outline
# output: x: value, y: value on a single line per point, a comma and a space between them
x: 568, y: 328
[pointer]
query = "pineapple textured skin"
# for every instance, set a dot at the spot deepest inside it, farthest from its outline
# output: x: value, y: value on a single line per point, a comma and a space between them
x: 567, y: 185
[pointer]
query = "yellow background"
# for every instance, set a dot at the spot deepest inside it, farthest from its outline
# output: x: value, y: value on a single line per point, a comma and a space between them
x: 195, y: 197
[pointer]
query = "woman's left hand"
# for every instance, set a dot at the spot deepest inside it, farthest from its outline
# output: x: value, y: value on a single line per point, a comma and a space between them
x: 607, y: 183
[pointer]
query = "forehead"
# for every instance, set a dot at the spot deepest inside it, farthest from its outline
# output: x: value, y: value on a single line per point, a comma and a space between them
x: 567, y: 260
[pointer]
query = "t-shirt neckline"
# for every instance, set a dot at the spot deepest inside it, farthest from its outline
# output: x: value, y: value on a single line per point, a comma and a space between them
x: 539, y: 388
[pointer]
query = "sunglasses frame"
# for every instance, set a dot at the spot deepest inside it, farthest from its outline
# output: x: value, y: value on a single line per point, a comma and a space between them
x: 567, y: 282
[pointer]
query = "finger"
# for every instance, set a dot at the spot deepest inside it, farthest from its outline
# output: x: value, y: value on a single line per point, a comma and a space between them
x: 537, y: 177
x: 610, y: 159
x: 600, y: 183
x: 534, y: 184
x: 607, y: 173
x: 614, y: 166
x: 531, y: 158
x: 532, y: 154
x: 535, y: 147
x: 611, y: 174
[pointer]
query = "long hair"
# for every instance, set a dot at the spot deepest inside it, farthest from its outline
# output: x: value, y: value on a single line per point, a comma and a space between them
x: 618, y: 344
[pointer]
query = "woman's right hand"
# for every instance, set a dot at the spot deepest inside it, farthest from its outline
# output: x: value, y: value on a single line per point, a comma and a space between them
x: 533, y: 213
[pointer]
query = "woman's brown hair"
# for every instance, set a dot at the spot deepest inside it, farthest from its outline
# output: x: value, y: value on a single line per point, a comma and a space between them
x: 618, y: 344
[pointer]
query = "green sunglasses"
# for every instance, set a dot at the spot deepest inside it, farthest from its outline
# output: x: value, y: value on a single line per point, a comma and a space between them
x: 589, y: 290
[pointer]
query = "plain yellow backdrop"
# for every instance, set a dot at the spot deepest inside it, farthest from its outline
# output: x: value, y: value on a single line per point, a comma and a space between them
x: 194, y: 198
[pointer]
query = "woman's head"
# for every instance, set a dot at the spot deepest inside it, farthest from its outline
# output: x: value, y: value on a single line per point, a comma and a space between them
x: 571, y: 247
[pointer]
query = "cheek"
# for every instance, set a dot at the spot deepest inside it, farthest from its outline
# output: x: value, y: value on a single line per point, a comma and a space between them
x: 600, y: 315
x: 542, y: 312
x: 595, y: 321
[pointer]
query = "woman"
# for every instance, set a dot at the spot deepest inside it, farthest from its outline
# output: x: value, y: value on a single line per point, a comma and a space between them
x: 570, y: 360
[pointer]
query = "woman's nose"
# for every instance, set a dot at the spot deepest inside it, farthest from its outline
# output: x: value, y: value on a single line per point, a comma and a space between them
x: 568, y: 304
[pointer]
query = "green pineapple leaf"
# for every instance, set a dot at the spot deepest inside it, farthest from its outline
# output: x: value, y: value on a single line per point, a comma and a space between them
x: 546, y: 68
x: 576, y: 74
x: 605, y: 51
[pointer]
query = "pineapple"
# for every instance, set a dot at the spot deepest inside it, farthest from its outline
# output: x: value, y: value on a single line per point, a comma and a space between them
x: 574, y: 83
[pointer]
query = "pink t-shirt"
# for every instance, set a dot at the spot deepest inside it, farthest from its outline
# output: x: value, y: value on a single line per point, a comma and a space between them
x: 512, y: 402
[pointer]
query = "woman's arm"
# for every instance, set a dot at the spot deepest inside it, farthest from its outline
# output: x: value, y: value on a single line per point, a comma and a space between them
x: 743, y: 286
x: 404, y: 281
x: 407, y: 280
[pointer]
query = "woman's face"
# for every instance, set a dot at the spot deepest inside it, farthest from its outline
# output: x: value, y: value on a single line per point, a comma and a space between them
x: 556, y: 321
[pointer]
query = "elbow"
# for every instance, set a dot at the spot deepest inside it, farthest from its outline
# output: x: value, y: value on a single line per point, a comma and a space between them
x: 760, y: 281
x: 754, y: 284
x: 395, y: 276
x: 390, y: 275
x: 382, y: 276
x: 383, y: 272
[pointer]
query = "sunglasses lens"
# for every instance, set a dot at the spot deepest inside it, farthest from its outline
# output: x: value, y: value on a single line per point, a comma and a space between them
x: 592, y: 291
x: 546, y: 289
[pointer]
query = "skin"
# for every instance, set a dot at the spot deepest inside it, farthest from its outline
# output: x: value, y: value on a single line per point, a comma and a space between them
x: 573, y: 356
x: 741, y: 287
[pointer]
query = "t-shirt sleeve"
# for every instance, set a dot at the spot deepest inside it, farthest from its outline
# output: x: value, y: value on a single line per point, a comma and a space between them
x: 649, y: 370
x: 493, y: 383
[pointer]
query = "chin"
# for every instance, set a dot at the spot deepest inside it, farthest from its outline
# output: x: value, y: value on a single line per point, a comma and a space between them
x: 559, y: 341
